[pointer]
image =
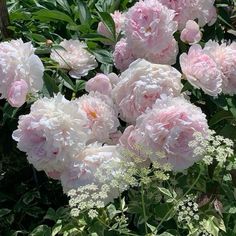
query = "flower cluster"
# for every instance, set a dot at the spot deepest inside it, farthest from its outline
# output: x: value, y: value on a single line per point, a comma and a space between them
x: 187, y: 210
x: 21, y: 71
x: 212, y: 148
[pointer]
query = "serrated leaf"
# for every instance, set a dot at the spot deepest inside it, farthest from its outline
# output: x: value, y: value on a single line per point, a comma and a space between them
x: 165, y: 191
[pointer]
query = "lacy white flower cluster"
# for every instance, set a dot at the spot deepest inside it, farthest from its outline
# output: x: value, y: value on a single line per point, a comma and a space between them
x: 213, y: 148
x: 213, y: 68
x: 21, y: 71
x: 148, y: 29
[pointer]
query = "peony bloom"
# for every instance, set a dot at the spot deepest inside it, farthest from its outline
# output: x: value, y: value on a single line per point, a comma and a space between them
x: 167, y: 129
x: 119, y: 19
x: 98, y: 165
x: 100, y: 83
x: 52, y: 133
x: 101, y: 115
x: 141, y: 84
x: 149, y: 27
x: 74, y: 57
x: 17, y: 93
x: 201, y: 10
x: 167, y: 56
x: 123, y: 55
x: 225, y: 57
x: 21, y: 71
x: 191, y: 34
x: 201, y: 70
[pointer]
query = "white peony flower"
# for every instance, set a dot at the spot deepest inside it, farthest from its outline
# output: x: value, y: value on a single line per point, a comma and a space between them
x: 141, y: 84
x: 74, y: 57
x: 53, y: 131
x: 101, y: 115
x: 19, y: 65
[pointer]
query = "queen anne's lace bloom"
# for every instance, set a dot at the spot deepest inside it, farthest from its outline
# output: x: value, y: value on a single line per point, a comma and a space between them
x: 202, y: 10
x: 53, y: 131
x: 201, y: 70
x: 149, y: 27
x: 98, y: 165
x: 20, y: 70
x: 225, y: 57
x: 168, y: 128
x: 74, y: 57
x: 101, y: 115
x: 141, y: 84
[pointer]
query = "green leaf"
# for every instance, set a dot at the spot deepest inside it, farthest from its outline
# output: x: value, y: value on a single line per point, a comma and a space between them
x: 103, y: 56
x: 51, y: 215
x: 41, y: 230
x: 4, y: 212
x: 219, y: 116
x: 166, y: 192
x: 109, y: 23
x: 57, y: 228
x: 67, y: 81
x: 50, y: 84
x: 84, y: 14
x: 65, y: 5
x: 46, y: 14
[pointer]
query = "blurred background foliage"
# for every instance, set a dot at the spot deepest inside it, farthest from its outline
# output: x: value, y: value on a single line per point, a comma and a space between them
x: 30, y: 203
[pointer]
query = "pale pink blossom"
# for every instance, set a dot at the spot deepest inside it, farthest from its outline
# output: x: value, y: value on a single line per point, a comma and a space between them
x: 119, y: 19
x: 149, y: 27
x: 201, y: 70
x: 167, y: 56
x: 123, y: 55
x: 166, y: 130
x: 203, y: 11
x: 74, y: 57
x: 141, y: 84
x: 100, y: 83
x: 191, y: 34
x: 96, y: 164
x: 225, y: 57
x: 19, y: 63
x: 101, y: 115
x: 53, y: 131
x: 17, y: 92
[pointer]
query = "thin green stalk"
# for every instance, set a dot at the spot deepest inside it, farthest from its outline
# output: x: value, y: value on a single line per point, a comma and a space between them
x: 144, y: 209
x: 186, y: 193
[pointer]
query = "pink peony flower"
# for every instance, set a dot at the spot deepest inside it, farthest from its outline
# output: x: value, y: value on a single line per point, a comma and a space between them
x: 123, y: 55
x: 191, y: 34
x: 101, y: 115
x: 21, y: 71
x: 201, y: 70
x: 225, y: 57
x: 166, y: 56
x: 118, y: 18
x: 141, y: 84
x: 100, y: 83
x: 149, y: 27
x: 166, y: 130
x: 74, y: 57
x: 201, y: 10
x: 17, y: 92
x: 53, y: 131
x: 88, y: 166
